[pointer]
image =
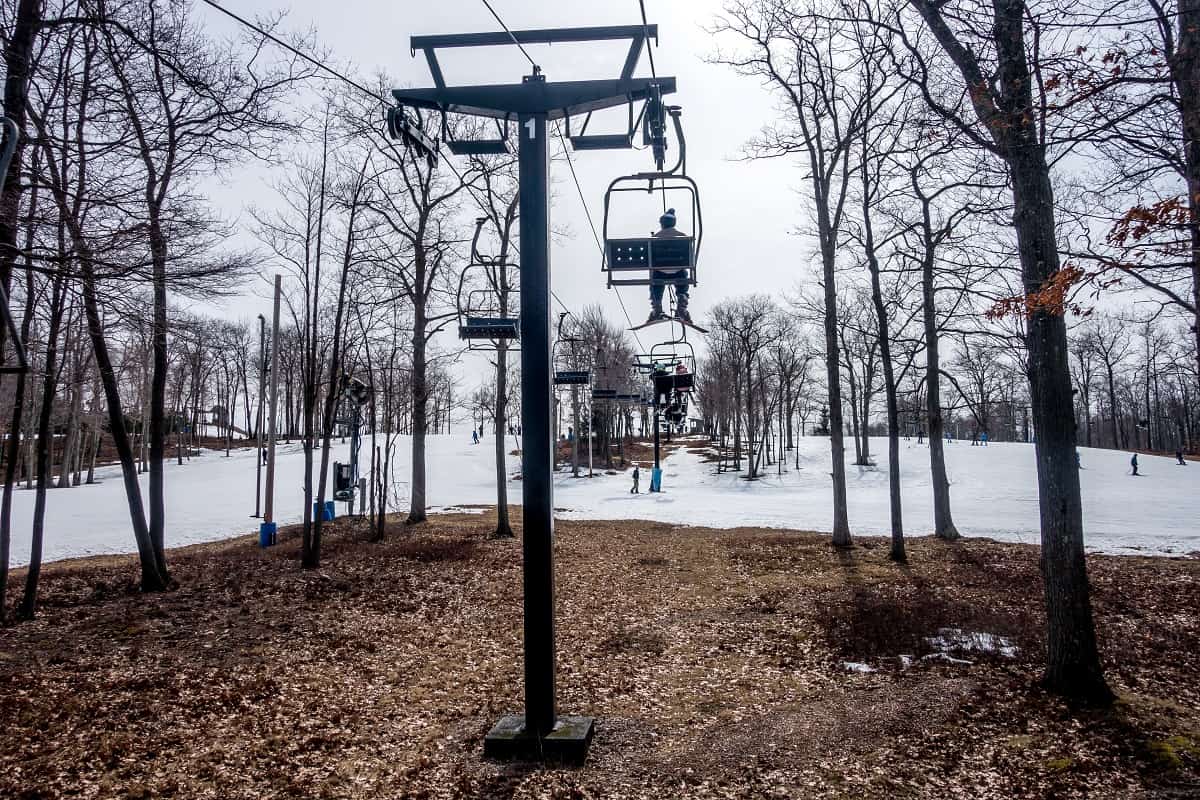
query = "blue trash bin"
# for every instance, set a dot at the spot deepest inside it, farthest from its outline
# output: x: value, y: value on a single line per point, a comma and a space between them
x: 330, y: 510
x: 655, y: 479
x: 328, y: 513
x: 266, y: 534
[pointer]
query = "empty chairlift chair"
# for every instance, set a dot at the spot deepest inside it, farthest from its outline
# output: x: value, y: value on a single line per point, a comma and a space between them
x: 568, y: 368
x: 486, y: 313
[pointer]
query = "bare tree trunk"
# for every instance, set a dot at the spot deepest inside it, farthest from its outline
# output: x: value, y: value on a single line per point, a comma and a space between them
x: 1006, y: 109
x: 837, y: 448
x: 13, y: 445
x: 153, y: 578
x: 75, y: 408
x: 897, y: 552
x: 1185, y: 71
x: 44, y: 444
x: 503, y: 525
x: 93, y: 450
x: 575, y: 432
x: 420, y: 419
x: 18, y: 55
x: 1073, y: 659
x: 943, y: 520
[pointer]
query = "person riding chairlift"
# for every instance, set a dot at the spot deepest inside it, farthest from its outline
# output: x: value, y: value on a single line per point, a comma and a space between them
x: 660, y: 278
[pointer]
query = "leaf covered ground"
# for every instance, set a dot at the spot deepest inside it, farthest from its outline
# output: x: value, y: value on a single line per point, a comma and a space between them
x: 741, y: 663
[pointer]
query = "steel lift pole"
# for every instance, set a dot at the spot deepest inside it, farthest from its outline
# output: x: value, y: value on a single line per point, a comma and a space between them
x: 537, y: 414
x: 539, y: 733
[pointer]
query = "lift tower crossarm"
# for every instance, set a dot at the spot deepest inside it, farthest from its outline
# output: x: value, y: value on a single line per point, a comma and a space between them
x: 636, y: 34
x: 556, y: 100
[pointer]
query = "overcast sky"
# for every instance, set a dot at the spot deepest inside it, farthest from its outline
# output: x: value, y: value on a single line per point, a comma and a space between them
x: 750, y: 208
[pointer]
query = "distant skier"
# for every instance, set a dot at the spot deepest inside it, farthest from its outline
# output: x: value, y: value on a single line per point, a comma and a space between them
x: 661, y: 277
x: 1179, y: 457
x: 1133, y: 463
x: 921, y: 436
x: 1078, y: 461
x: 983, y: 437
x: 264, y: 455
x: 474, y: 436
x: 637, y: 476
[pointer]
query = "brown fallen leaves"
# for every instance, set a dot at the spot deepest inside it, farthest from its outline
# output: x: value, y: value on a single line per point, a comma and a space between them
x: 714, y: 662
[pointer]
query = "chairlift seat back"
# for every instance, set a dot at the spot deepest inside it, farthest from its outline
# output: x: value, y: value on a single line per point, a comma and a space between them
x: 490, y: 328
x: 573, y: 377
x: 674, y: 381
x: 650, y: 252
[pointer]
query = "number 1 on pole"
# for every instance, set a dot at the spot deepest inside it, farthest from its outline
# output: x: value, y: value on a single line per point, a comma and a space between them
x: 531, y: 126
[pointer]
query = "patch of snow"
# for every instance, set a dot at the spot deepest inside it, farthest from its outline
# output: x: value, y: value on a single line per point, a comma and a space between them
x: 956, y: 640
x: 857, y: 666
x: 457, y: 510
x: 947, y: 658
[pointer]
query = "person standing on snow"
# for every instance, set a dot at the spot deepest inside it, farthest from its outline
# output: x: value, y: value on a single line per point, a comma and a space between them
x: 637, y: 475
x: 983, y: 438
x: 1133, y: 463
x: 1179, y: 457
x: 659, y: 278
x: 474, y: 436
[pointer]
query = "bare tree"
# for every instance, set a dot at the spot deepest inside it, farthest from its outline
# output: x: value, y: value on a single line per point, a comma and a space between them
x: 419, y: 206
x: 1009, y: 122
x: 799, y: 51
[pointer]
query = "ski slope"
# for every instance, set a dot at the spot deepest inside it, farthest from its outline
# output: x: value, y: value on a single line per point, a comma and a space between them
x: 993, y: 494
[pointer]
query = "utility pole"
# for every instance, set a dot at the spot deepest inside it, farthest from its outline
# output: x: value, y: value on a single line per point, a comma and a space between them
x: 266, y: 535
x: 258, y: 425
x: 539, y: 733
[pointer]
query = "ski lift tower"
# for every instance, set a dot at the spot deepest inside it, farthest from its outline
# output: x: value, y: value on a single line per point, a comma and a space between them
x: 532, y: 104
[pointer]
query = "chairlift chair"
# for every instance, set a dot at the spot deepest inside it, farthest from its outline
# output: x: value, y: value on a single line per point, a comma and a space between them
x: 484, y: 316
x: 604, y: 388
x: 355, y: 390
x: 479, y: 322
x: 668, y: 357
x: 561, y: 351
x: 638, y: 260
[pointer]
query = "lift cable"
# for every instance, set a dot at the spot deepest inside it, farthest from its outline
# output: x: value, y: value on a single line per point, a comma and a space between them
x: 355, y: 84
x: 591, y: 224
x: 649, y: 44
x: 536, y: 69
x: 295, y: 51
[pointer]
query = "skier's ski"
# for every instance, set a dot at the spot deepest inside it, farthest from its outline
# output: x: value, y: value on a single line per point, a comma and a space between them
x: 691, y: 325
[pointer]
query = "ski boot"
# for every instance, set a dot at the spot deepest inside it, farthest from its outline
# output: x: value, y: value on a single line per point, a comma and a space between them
x: 681, y: 312
x: 656, y: 315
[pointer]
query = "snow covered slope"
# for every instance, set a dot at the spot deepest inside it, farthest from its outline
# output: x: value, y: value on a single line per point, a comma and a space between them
x: 993, y: 494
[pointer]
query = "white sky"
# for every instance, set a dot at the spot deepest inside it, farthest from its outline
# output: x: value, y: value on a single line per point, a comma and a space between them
x: 750, y: 208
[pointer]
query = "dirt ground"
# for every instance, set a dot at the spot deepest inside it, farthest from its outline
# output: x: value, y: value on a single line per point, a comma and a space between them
x: 713, y: 661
